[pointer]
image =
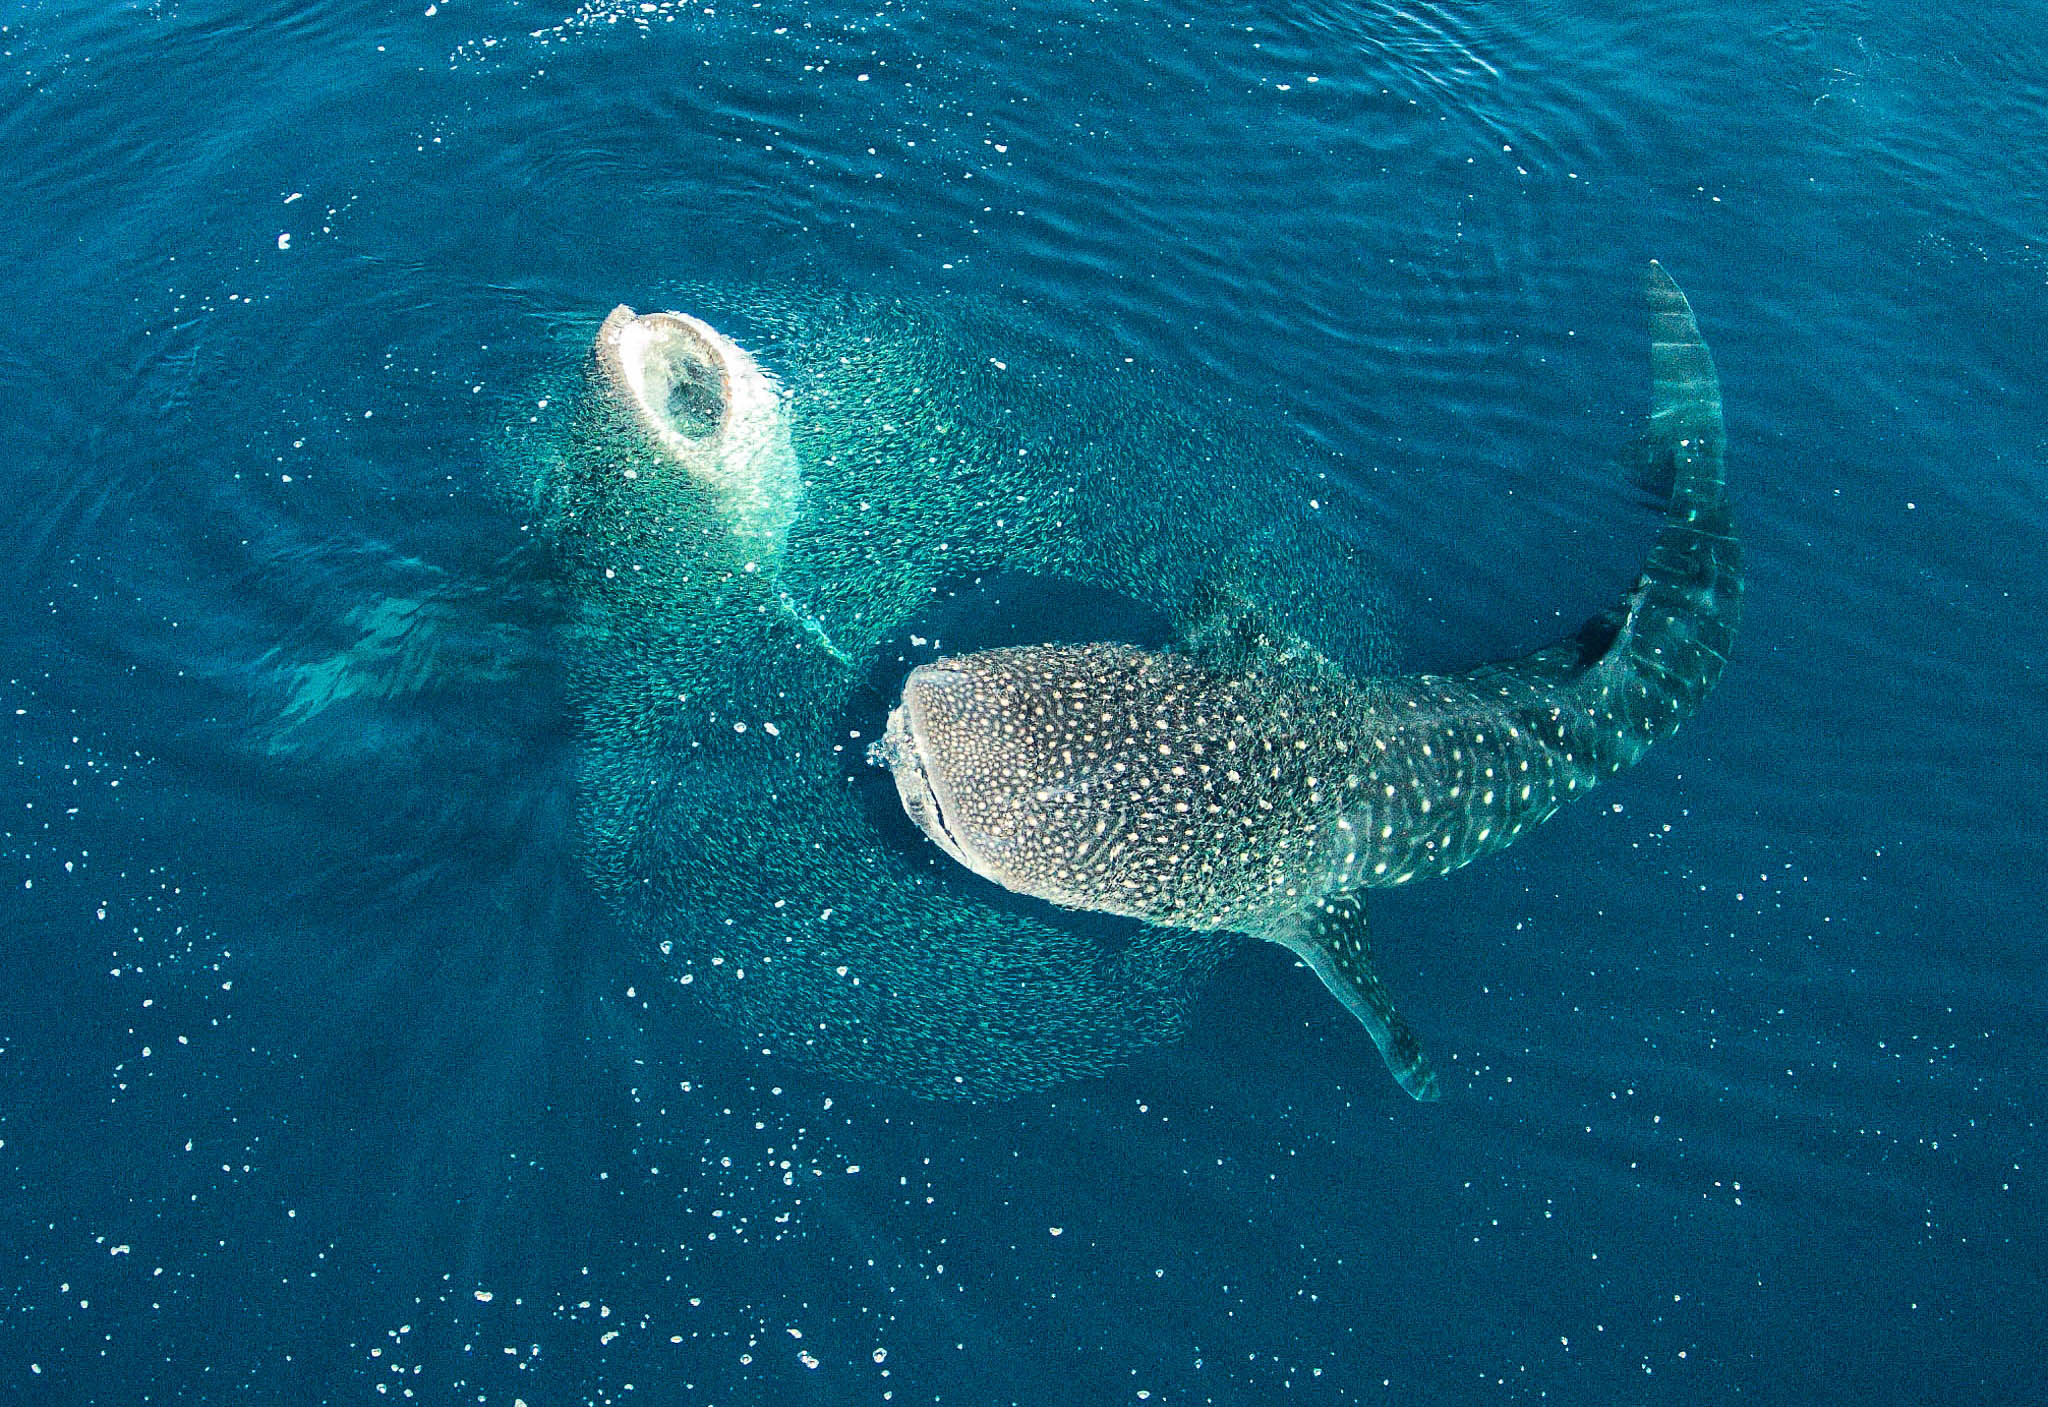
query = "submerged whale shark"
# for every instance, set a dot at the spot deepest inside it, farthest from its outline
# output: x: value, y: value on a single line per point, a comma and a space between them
x: 700, y: 403
x: 706, y: 406
x: 1261, y: 791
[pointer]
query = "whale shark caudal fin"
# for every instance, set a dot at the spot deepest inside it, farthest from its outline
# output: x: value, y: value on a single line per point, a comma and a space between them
x: 1634, y: 673
x: 1331, y: 939
x: 1679, y: 622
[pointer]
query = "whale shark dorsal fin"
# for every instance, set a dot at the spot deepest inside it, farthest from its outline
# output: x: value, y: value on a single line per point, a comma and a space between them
x: 1222, y: 625
x: 1228, y: 631
x: 1331, y: 939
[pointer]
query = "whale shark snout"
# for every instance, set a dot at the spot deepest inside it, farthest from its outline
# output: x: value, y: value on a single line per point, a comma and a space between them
x: 675, y: 371
x: 927, y: 772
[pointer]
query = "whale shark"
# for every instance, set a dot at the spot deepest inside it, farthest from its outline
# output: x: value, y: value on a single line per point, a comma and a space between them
x: 702, y: 404
x: 706, y: 407
x: 1260, y: 789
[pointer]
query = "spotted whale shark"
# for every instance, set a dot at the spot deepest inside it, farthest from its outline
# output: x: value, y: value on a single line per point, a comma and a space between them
x: 1259, y: 789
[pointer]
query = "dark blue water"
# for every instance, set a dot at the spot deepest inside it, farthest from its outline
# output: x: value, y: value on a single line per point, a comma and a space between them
x: 328, y: 1074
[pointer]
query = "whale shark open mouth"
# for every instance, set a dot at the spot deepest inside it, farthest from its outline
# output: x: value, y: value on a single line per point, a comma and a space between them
x: 673, y: 369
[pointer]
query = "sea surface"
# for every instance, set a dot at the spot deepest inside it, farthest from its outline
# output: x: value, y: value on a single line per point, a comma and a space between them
x: 358, y: 1044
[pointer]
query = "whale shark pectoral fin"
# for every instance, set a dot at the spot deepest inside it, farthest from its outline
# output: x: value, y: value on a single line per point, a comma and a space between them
x: 1331, y: 939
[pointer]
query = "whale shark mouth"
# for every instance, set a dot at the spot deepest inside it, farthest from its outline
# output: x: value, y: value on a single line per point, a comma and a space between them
x: 925, y: 796
x: 674, y: 370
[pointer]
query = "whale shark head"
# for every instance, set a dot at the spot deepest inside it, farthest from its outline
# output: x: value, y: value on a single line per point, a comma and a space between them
x: 701, y: 402
x: 675, y: 371
x: 927, y: 749
x: 1004, y: 759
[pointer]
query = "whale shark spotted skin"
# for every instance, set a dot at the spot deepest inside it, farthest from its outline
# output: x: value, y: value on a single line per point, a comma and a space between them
x: 1262, y: 794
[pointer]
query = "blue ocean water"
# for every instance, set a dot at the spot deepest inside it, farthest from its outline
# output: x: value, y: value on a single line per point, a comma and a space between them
x: 327, y: 1073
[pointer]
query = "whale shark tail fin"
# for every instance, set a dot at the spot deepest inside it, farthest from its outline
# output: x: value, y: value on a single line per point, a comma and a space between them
x: 1672, y: 640
x: 813, y: 629
x: 1635, y: 672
